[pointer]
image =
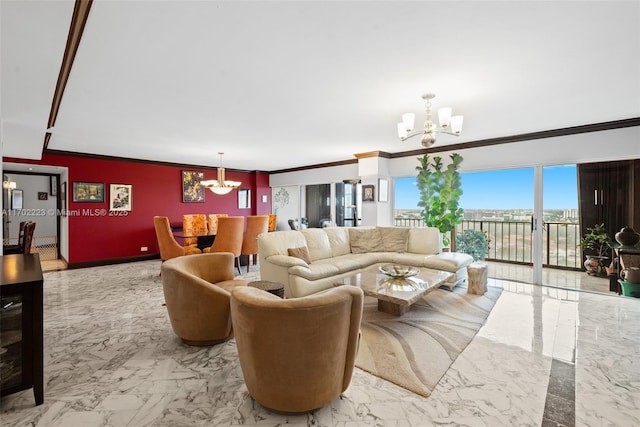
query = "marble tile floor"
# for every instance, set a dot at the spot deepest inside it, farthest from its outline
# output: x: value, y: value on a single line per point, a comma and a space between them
x: 111, y: 359
x: 570, y: 279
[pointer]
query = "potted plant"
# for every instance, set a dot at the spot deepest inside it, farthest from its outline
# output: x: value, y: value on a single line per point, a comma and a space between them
x: 596, y: 241
x: 474, y: 243
x: 440, y: 191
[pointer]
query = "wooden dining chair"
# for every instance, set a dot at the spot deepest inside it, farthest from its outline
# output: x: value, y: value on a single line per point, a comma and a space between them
x: 29, y: 229
x: 256, y: 225
x: 169, y: 247
x: 19, y: 247
x: 194, y: 225
x: 229, y: 237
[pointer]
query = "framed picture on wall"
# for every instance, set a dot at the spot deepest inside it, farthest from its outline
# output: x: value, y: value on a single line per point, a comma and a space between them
x: 120, y: 197
x: 53, y: 185
x: 16, y: 199
x: 192, y: 191
x: 88, y: 192
x: 63, y: 198
x: 368, y: 193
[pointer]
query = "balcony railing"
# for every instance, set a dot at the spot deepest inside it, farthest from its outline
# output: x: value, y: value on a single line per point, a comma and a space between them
x: 511, y: 241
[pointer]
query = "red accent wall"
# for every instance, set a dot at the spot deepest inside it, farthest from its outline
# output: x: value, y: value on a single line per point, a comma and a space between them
x: 157, y: 190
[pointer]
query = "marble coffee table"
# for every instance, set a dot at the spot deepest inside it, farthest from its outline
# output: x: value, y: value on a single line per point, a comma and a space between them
x: 395, y: 295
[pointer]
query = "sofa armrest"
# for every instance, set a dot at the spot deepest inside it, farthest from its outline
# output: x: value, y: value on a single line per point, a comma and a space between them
x: 286, y: 261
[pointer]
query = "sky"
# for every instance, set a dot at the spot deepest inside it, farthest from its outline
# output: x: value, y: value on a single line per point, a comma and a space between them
x: 504, y: 189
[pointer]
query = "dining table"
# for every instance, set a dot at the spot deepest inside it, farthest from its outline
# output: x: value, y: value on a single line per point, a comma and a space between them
x: 203, y: 240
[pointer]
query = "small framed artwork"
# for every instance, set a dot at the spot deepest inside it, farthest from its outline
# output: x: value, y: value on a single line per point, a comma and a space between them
x: 120, y: 197
x: 16, y: 199
x: 383, y: 190
x: 63, y: 198
x: 53, y: 186
x: 244, y: 198
x: 192, y: 191
x: 88, y: 192
x: 43, y: 195
x: 368, y: 193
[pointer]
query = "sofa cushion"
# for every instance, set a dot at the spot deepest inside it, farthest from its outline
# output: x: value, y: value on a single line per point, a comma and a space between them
x: 365, y: 240
x: 315, y: 271
x: 394, y: 239
x: 424, y: 240
x: 339, y: 240
x: 317, y: 243
x: 277, y: 243
x: 416, y: 260
x: 449, y: 261
x: 344, y: 263
x: 301, y: 252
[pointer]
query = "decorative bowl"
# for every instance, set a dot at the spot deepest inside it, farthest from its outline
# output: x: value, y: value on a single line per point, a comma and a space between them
x: 398, y: 271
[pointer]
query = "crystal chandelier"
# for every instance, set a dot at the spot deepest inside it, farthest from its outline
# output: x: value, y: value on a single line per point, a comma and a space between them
x: 220, y: 185
x: 449, y: 125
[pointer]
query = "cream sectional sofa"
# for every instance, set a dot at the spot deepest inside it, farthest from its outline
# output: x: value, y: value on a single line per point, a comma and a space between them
x: 333, y: 253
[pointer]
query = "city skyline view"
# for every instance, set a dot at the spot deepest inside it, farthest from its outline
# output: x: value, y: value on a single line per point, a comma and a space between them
x: 503, y: 189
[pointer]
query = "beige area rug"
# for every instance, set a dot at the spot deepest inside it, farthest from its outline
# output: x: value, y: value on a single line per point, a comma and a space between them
x: 415, y: 350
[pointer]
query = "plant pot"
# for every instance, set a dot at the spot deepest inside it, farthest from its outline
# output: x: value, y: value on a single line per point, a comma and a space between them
x: 630, y: 289
x: 595, y: 265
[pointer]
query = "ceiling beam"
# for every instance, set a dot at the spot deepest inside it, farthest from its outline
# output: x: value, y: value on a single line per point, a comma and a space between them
x: 78, y: 21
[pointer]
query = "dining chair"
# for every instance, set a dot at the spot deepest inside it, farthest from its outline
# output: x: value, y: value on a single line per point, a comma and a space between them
x: 212, y: 223
x: 256, y: 225
x: 169, y: 247
x: 229, y: 237
x: 193, y: 225
x: 29, y: 228
x: 17, y: 248
x: 273, y: 222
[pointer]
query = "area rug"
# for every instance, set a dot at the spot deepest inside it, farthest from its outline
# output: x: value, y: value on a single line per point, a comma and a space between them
x: 415, y: 350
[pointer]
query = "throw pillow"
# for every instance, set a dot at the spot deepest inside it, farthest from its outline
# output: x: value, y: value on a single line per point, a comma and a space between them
x: 394, y: 238
x: 301, y: 252
x: 365, y: 240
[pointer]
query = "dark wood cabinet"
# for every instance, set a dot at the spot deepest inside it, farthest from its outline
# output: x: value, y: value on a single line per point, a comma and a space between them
x: 606, y: 196
x: 21, y: 326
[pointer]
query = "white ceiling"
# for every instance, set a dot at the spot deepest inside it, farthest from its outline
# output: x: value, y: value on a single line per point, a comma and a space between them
x: 278, y: 85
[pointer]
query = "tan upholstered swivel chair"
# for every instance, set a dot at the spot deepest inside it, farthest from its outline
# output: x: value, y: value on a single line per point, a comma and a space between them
x: 256, y: 225
x: 297, y: 354
x: 197, y: 291
x: 229, y: 237
x: 169, y: 247
x: 194, y: 225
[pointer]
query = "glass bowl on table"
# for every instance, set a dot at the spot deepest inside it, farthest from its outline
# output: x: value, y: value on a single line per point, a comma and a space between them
x: 398, y: 271
x: 398, y: 277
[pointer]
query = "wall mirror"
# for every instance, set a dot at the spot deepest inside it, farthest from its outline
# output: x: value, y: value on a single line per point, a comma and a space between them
x: 244, y: 198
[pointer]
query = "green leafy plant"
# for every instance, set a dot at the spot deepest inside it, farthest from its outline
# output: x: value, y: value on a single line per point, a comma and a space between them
x: 440, y: 191
x: 596, y: 240
x: 474, y: 243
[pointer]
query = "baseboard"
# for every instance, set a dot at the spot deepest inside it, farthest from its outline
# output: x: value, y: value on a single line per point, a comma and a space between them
x: 101, y: 262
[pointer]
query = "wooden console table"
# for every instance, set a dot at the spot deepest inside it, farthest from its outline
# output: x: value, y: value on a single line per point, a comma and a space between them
x: 21, y: 326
